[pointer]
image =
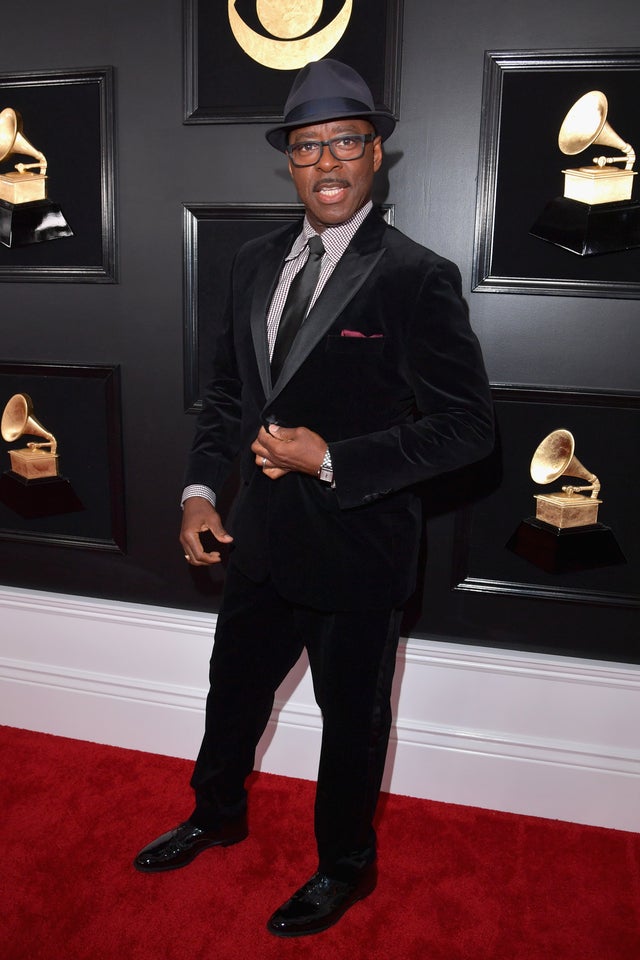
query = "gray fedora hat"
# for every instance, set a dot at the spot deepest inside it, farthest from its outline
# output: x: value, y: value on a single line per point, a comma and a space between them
x: 328, y: 90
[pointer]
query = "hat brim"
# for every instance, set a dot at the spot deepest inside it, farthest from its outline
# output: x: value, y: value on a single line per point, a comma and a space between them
x: 384, y: 125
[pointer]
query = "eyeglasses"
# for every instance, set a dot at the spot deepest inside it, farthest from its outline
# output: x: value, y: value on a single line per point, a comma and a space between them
x: 347, y: 147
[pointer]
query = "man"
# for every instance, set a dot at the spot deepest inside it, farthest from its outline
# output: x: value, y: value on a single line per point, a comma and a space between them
x: 336, y: 420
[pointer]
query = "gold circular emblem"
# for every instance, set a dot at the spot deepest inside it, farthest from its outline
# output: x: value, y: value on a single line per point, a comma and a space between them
x: 288, y: 19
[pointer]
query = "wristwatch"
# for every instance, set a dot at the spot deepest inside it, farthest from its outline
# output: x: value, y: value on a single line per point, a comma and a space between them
x: 325, y: 470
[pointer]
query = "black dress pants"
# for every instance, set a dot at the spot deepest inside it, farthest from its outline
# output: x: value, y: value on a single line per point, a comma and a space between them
x: 259, y: 637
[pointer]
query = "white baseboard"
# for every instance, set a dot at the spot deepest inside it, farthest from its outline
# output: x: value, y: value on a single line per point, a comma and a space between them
x: 525, y: 733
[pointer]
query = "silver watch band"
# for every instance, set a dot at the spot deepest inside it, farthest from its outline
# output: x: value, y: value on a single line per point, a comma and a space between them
x: 325, y: 471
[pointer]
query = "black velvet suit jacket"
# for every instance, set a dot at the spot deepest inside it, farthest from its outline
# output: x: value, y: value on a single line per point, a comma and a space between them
x: 402, y: 401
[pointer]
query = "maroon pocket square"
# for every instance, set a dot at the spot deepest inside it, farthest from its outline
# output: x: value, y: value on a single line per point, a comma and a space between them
x: 356, y: 333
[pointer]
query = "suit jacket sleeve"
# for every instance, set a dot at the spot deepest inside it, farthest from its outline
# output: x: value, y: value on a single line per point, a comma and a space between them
x: 453, y: 423
x: 217, y: 436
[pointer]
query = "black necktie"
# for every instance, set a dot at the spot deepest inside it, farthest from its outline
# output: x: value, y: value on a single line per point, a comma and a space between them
x: 294, y: 311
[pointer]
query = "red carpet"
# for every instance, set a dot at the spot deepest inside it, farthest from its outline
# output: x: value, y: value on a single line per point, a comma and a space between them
x: 456, y: 883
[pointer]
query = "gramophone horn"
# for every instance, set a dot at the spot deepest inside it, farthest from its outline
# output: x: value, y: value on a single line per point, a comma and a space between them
x: 18, y: 419
x: 555, y: 457
x: 586, y: 123
x: 12, y: 139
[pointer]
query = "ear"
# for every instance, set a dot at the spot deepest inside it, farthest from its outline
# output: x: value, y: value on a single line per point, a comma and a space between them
x: 377, y: 154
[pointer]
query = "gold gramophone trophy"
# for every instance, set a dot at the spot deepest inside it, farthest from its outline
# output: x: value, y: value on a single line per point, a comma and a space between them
x: 555, y: 458
x: 33, y: 486
x: 36, y: 460
x: 26, y: 215
x: 597, y: 213
x: 565, y: 533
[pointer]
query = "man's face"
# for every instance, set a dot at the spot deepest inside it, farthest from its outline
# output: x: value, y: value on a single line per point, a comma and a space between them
x: 334, y: 190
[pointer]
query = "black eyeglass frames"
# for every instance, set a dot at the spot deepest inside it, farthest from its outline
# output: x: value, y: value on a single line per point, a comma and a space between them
x: 349, y: 146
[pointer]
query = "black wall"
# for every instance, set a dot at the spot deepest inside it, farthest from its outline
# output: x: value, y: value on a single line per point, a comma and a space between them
x: 557, y: 361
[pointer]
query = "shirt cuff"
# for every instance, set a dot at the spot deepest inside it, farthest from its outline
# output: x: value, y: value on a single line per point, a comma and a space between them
x: 198, y: 490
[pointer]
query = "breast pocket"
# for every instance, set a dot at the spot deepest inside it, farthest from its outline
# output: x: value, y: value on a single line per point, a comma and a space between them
x: 358, y: 349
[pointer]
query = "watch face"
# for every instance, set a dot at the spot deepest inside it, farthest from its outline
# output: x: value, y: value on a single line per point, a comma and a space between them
x: 326, y: 474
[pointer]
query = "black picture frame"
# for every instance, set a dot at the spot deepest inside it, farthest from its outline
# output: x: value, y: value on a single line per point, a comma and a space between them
x: 80, y: 405
x: 223, y: 84
x: 526, y: 96
x: 212, y: 235
x: 605, y: 427
x: 69, y: 115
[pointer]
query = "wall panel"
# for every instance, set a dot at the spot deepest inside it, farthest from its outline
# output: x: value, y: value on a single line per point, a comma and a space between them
x: 541, y: 343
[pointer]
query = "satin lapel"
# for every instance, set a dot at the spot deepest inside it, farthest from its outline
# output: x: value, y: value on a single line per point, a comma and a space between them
x: 266, y: 278
x: 344, y: 283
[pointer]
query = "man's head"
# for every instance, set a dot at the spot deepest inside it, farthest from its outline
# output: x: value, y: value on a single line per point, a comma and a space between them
x: 333, y: 135
x: 333, y: 189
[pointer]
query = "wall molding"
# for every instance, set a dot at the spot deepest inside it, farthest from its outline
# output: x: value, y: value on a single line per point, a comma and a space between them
x: 527, y: 733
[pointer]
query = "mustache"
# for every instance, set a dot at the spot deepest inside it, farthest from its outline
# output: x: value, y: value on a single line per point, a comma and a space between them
x: 330, y: 182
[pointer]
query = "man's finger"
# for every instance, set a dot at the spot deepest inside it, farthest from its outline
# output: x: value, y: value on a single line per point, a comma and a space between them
x: 281, y: 433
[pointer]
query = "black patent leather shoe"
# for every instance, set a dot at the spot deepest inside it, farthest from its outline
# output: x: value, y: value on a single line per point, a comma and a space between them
x: 320, y: 903
x: 179, y: 847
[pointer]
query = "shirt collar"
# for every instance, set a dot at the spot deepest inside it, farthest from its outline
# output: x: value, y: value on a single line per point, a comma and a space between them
x: 335, y: 239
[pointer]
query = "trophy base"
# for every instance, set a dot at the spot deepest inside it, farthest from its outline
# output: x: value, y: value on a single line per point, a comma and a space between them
x: 589, y: 229
x: 38, y: 498
x: 33, y: 464
x: 33, y: 222
x: 566, y: 510
x: 564, y: 550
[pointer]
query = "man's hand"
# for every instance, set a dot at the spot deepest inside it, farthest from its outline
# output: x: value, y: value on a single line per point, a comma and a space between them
x: 198, y: 516
x: 286, y: 449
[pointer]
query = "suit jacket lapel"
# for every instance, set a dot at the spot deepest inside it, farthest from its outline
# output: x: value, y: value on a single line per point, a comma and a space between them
x: 351, y: 272
x: 266, y: 278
